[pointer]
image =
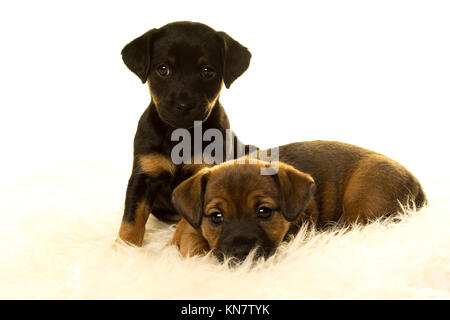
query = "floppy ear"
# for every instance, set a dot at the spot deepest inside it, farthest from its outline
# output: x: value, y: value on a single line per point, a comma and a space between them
x: 236, y: 60
x: 136, y: 55
x: 188, y: 197
x: 296, y: 190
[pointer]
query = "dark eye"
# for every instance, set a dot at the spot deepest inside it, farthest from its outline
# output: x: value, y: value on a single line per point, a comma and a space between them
x: 216, y: 217
x: 208, y: 72
x: 163, y: 70
x: 264, y: 212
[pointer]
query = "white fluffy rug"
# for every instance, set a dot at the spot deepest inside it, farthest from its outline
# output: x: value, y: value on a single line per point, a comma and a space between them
x: 59, y: 224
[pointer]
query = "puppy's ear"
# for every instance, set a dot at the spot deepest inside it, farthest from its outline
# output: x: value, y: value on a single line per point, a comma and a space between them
x: 136, y: 55
x: 236, y: 59
x: 296, y: 190
x: 188, y: 197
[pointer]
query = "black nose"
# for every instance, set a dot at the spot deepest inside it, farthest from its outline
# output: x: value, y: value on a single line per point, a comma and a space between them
x: 240, y: 253
x: 239, y: 247
x: 183, y: 107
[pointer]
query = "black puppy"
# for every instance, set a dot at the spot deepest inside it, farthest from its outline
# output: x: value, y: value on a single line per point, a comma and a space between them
x: 185, y: 65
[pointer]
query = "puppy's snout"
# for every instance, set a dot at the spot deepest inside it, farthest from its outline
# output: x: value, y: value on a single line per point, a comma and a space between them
x: 240, y: 253
x: 183, y: 102
x: 184, y: 106
x: 239, y: 247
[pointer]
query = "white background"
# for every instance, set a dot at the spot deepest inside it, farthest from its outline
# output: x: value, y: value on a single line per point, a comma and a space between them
x: 371, y: 73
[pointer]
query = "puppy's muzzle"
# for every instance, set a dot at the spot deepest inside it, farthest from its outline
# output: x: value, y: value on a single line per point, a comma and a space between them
x: 184, y: 107
x: 239, y: 247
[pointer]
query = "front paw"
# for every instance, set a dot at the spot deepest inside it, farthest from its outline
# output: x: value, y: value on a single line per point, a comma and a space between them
x: 188, y: 240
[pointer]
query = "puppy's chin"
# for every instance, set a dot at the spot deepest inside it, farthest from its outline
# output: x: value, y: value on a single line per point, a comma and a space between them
x: 184, y: 121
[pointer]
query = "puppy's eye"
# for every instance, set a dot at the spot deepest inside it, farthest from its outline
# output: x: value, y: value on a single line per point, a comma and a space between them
x: 163, y: 70
x: 216, y: 217
x: 264, y: 212
x: 208, y: 72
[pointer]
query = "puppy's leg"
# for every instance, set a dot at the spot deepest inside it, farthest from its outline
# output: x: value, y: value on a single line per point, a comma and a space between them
x: 379, y: 187
x: 150, y: 173
x: 136, y: 212
x: 188, y: 240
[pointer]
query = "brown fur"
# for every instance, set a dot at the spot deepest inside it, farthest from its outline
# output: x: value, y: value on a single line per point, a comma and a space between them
x: 237, y: 189
x: 188, y: 240
x: 171, y: 60
x: 377, y: 176
x: 201, y: 60
x: 277, y: 228
x: 155, y: 164
x: 133, y: 232
x: 351, y: 185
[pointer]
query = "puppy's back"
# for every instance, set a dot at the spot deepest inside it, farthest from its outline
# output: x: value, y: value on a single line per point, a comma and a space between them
x: 334, y: 165
x: 328, y: 160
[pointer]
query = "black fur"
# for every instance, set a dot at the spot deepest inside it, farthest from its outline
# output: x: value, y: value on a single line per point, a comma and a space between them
x: 240, y: 237
x: 177, y: 100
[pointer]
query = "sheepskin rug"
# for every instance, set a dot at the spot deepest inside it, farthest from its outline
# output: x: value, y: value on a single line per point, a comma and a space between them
x: 58, y: 227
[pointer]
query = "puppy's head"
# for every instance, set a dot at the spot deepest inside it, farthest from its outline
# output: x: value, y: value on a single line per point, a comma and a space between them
x: 185, y: 64
x: 236, y: 209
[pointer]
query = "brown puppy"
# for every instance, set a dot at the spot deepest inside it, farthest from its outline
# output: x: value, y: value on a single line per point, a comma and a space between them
x: 233, y: 209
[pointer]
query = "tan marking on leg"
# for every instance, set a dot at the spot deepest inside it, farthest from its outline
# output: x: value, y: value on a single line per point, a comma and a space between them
x: 155, y: 164
x: 133, y: 232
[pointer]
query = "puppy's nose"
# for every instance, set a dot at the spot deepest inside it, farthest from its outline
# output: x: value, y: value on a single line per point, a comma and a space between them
x: 183, y: 107
x: 240, y: 246
x: 240, y: 253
